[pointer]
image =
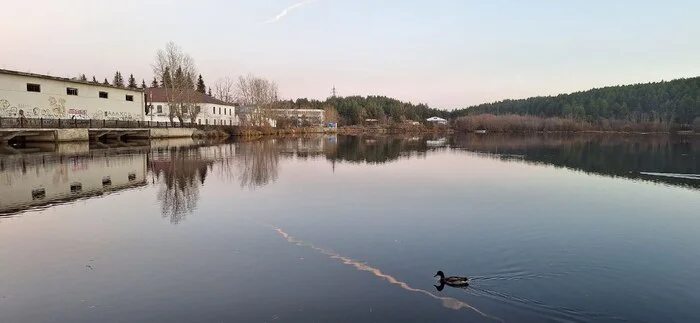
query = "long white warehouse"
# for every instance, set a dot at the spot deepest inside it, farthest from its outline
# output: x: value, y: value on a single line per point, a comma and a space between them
x: 41, y: 96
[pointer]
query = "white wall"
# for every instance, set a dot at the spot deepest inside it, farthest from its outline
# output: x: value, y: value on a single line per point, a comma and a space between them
x: 53, y: 102
x: 210, y: 114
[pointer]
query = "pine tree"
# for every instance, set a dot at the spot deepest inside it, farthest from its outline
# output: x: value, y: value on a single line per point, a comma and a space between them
x: 201, y: 88
x: 94, y: 80
x: 118, y: 79
x: 179, y: 78
x: 154, y: 84
x: 189, y: 82
x: 166, y: 80
x: 83, y: 77
x: 132, y: 82
x: 143, y: 83
x: 209, y: 92
x: 105, y: 82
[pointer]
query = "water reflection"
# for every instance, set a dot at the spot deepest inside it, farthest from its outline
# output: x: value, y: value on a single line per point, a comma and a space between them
x: 42, y: 174
x: 383, y: 149
x: 258, y: 162
x: 611, y: 155
x: 180, y: 172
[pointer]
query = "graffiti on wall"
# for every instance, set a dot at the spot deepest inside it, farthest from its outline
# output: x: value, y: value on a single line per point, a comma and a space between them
x: 56, y: 109
x: 115, y: 115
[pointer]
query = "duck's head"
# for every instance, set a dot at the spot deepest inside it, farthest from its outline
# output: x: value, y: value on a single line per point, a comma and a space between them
x: 440, y: 273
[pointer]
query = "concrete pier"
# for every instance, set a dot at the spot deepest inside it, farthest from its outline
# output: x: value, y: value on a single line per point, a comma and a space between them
x: 94, y: 134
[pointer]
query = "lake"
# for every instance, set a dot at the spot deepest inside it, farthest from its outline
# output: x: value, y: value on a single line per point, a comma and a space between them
x: 550, y: 228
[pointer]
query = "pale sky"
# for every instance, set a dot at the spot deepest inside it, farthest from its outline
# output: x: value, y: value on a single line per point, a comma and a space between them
x: 447, y: 53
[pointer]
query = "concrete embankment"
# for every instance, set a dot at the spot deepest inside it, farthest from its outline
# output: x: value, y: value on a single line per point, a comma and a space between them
x: 84, y: 134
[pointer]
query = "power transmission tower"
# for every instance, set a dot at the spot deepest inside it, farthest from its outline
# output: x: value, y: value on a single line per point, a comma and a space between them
x: 334, y: 92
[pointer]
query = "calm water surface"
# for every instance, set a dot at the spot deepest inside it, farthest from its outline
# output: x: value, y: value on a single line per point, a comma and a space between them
x: 352, y: 229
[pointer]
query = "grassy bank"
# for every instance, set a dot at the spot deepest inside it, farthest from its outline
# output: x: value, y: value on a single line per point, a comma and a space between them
x: 522, y: 124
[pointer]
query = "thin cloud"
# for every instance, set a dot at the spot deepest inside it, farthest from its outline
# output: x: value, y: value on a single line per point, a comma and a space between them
x: 288, y: 9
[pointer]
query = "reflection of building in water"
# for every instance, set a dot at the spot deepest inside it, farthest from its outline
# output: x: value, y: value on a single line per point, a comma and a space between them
x: 377, y: 149
x: 307, y: 145
x: 38, y: 179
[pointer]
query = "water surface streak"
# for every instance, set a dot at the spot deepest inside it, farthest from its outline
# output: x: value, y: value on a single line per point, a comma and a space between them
x: 448, y: 302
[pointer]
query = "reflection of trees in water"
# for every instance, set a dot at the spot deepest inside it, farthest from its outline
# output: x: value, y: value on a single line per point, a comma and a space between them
x: 611, y: 155
x: 258, y: 162
x: 377, y: 149
x: 181, y: 172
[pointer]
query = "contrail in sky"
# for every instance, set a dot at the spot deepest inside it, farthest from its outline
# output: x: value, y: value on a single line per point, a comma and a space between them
x: 288, y: 9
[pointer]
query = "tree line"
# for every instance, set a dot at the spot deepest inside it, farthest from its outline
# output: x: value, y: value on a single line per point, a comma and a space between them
x: 667, y: 102
x: 354, y: 110
x: 118, y: 81
x: 657, y: 105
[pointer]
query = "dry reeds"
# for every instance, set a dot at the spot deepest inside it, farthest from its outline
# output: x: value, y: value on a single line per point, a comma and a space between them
x: 522, y: 124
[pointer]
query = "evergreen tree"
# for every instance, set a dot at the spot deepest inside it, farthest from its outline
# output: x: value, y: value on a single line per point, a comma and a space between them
x: 143, y: 83
x: 179, y: 78
x: 94, y: 80
x: 105, y: 82
x: 165, y: 79
x: 154, y: 84
x: 83, y: 77
x: 132, y: 82
x: 209, y: 92
x: 201, y: 88
x: 189, y: 82
x: 118, y: 79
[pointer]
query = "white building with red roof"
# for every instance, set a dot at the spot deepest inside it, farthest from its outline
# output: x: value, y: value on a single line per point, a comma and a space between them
x: 208, y: 110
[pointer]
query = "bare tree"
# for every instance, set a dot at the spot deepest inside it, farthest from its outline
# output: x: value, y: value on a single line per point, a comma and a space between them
x: 258, y: 163
x: 178, y: 67
x: 225, y: 90
x: 258, y: 93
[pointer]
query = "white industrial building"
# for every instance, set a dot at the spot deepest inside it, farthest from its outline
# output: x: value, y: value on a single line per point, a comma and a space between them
x: 208, y: 110
x: 41, y: 96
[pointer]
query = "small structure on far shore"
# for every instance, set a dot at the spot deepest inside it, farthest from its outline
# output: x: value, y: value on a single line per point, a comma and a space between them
x: 437, y: 120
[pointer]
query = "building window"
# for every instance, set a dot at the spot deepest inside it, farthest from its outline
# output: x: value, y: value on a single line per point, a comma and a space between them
x: 71, y: 91
x: 184, y: 109
x: 159, y: 109
x: 219, y: 110
x: 104, y: 95
x: 213, y: 110
x: 130, y: 98
x: 199, y: 121
x: 33, y: 87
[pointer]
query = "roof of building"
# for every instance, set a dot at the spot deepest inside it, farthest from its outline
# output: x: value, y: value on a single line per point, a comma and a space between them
x: 157, y: 94
x: 65, y: 79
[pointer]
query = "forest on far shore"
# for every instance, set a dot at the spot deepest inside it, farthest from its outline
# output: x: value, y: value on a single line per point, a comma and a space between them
x: 666, y: 103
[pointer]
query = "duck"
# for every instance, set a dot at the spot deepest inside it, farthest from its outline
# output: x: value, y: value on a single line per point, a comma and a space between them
x: 452, y: 280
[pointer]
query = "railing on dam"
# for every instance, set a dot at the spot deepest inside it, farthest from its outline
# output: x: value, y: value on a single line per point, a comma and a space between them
x: 41, y: 123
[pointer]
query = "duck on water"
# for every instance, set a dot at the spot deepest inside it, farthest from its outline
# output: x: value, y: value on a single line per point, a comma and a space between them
x: 454, y: 281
